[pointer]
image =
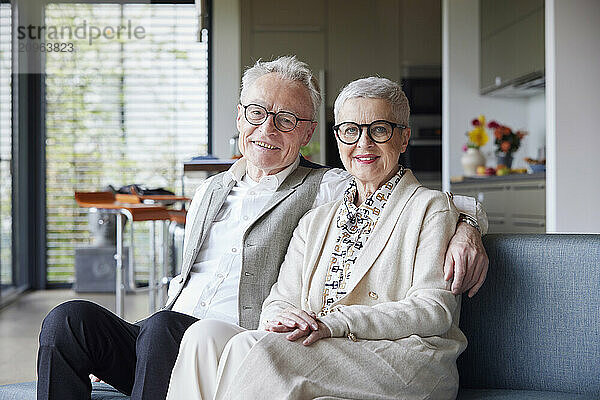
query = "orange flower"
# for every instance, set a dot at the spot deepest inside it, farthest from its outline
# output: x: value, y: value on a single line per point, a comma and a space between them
x: 505, y: 146
x: 521, y: 134
x: 498, y: 133
x: 505, y: 130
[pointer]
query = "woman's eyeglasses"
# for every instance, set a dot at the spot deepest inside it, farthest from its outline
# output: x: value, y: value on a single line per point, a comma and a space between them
x: 379, y: 131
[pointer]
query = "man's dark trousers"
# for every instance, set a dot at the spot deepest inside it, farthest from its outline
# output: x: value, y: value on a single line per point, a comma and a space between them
x: 79, y: 337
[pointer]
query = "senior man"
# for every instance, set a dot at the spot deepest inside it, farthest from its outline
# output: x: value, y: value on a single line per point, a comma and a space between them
x: 237, y: 232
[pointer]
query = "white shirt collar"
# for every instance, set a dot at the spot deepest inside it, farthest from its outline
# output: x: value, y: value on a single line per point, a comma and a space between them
x: 270, y: 182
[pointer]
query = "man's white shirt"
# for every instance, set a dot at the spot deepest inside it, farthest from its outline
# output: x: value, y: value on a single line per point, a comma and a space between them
x: 212, y: 289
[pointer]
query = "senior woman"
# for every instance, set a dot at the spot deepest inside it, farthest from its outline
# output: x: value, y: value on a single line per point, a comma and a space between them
x: 361, y: 309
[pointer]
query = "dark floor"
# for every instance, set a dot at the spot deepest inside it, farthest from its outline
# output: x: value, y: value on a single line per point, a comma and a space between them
x: 20, y: 323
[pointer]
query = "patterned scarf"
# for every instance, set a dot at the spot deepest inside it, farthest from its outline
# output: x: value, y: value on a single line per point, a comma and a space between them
x: 355, y: 225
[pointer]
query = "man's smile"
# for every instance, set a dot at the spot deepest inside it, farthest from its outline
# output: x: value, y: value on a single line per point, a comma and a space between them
x: 265, y: 145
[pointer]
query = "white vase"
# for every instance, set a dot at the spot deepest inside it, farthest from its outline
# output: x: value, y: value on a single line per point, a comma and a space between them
x: 471, y: 160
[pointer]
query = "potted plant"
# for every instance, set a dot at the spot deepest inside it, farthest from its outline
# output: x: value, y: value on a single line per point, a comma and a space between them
x: 477, y: 138
x: 507, y: 142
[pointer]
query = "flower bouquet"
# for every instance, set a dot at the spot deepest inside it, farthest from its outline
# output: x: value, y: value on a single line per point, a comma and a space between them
x: 507, y: 142
x: 472, y: 159
x: 477, y: 136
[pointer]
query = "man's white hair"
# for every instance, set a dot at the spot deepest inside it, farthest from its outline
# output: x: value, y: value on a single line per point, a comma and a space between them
x: 288, y: 67
x: 375, y: 87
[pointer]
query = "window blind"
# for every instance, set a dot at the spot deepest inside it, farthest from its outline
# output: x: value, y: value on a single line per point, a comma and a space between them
x: 119, y: 111
x: 6, y: 277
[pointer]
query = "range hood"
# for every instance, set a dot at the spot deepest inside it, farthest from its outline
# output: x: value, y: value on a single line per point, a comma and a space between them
x: 526, y: 86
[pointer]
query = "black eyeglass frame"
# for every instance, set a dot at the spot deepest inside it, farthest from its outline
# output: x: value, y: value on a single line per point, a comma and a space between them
x: 336, y: 129
x: 274, y: 114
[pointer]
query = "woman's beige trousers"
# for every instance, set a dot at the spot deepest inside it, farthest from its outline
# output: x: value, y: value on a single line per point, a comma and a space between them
x: 210, y: 353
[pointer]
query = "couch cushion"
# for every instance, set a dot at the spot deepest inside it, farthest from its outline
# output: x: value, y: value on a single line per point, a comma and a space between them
x: 503, y: 394
x: 535, y: 322
x: 27, y: 391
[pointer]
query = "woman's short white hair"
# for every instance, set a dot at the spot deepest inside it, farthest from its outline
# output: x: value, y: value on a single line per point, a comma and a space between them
x: 375, y: 87
x: 289, y: 67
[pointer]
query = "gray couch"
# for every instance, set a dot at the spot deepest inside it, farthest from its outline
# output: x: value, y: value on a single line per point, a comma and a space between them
x: 533, y: 328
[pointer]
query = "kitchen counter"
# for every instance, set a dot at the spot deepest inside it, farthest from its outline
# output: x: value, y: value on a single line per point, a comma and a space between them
x: 492, y: 179
x: 514, y: 203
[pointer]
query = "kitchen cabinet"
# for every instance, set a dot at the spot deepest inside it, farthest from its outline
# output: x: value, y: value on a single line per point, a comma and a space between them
x: 512, y: 42
x: 343, y: 40
x: 271, y: 29
x: 347, y: 39
x: 363, y: 40
x: 496, y: 15
x: 514, y: 204
x: 420, y: 35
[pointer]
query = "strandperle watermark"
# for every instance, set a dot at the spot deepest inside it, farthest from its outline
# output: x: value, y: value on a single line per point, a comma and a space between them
x: 83, y: 31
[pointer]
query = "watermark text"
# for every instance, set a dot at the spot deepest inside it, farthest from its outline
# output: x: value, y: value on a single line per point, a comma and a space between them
x: 83, y: 31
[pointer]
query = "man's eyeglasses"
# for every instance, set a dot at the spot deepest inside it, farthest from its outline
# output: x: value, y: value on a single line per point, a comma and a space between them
x: 379, y: 131
x: 284, y: 121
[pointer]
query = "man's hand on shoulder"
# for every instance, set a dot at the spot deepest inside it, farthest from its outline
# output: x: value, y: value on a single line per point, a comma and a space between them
x: 466, y: 260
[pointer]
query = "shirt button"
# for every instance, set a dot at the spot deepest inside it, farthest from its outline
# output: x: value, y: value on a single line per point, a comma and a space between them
x: 203, y: 304
x: 220, y: 276
x: 245, y: 218
x: 252, y: 193
x: 233, y: 249
x: 373, y: 295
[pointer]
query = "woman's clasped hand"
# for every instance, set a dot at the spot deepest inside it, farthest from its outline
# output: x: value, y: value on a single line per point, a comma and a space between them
x: 300, y: 324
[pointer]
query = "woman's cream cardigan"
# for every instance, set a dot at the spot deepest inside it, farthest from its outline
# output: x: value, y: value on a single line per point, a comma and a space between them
x: 399, y: 314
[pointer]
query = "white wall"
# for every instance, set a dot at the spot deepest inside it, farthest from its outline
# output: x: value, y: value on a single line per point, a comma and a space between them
x: 573, y: 104
x: 461, y: 100
x: 226, y: 74
x: 536, y: 126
